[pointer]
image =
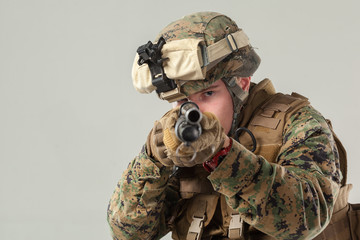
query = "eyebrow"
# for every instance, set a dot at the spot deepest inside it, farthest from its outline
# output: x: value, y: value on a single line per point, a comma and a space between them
x: 210, y: 88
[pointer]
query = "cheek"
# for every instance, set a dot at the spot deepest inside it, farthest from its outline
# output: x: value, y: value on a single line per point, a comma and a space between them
x: 225, y: 117
x: 224, y: 112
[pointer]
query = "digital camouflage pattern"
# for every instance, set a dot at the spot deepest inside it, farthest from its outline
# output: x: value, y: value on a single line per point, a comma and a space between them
x: 290, y: 199
x: 212, y: 27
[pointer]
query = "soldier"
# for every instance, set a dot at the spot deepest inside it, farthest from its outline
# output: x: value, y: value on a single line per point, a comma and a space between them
x: 265, y: 166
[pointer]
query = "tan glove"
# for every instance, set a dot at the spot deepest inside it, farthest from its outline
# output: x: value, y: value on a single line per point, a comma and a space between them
x: 163, y: 143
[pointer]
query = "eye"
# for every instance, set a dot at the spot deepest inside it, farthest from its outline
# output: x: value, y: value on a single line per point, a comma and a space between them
x: 208, y: 93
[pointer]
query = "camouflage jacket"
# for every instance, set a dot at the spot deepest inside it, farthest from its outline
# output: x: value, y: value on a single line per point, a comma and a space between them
x: 290, y: 199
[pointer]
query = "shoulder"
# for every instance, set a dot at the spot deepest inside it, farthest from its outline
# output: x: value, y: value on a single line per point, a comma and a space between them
x: 304, y: 123
x: 307, y: 118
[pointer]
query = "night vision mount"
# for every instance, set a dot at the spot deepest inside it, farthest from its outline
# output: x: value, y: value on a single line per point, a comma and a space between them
x: 151, y: 54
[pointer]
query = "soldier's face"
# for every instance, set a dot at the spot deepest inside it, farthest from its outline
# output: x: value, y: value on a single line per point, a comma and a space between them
x: 217, y: 100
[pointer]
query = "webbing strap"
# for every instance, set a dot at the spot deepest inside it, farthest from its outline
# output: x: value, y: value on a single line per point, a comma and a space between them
x: 265, y: 122
x: 232, y: 42
x: 238, y: 98
x: 172, y: 95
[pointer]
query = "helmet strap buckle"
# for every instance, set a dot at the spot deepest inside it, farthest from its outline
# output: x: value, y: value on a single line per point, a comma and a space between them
x: 231, y: 42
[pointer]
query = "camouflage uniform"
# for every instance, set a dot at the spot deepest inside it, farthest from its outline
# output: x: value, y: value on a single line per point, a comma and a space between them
x: 291, y: 198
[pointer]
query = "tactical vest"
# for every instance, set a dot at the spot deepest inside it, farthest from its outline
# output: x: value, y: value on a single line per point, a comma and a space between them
x: 203, y: 213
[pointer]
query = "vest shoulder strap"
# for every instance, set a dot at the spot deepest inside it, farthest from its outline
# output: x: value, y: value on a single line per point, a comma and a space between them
x: 268, y: 122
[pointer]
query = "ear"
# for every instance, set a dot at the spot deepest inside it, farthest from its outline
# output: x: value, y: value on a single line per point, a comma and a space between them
x: 244, y: 82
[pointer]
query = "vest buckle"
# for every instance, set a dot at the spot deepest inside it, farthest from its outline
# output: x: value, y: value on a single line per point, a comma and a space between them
x: 235, y: 227
x: 196, y: 228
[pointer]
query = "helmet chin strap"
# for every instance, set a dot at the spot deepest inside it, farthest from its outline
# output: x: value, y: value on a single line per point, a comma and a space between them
x: 238, y: 96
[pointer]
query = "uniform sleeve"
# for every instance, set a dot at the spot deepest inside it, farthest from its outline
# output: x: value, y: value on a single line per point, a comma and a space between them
x: 290, y: 199
x: 140, y: 202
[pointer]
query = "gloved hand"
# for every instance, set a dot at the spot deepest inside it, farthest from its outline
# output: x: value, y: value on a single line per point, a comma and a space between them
x: 162, y: 142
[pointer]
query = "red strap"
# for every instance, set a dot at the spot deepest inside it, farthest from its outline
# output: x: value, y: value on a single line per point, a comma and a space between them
x: 211, y: 164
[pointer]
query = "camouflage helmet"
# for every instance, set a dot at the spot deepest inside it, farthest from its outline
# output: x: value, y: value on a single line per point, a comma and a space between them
x: 212, y: 27
x: 223, y: 51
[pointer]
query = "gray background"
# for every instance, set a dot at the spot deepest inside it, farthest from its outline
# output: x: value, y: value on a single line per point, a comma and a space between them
x: 71, y: 120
